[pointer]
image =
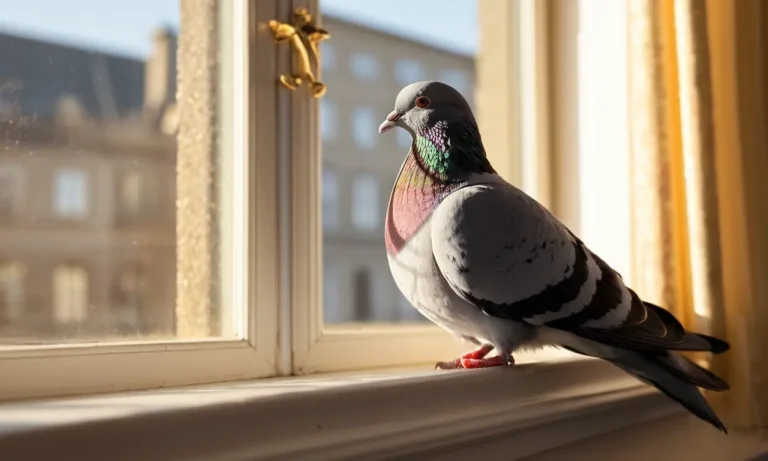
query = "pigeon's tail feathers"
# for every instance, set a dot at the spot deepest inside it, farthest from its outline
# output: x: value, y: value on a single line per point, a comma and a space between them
x: 689, y: 371
x: 717, y: 346
x: 691, y: 341
x: 650, y: 328
x: 677, y: 377
x: 701, y: 343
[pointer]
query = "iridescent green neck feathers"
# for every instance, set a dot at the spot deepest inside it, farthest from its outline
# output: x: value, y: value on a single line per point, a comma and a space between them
x: 451, y: 152
x: 442, y: 159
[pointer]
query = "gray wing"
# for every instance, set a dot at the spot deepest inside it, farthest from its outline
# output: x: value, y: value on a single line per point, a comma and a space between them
x: 505, y: 253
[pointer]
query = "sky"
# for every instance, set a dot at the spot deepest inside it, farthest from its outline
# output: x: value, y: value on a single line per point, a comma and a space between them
x: 126, y: 27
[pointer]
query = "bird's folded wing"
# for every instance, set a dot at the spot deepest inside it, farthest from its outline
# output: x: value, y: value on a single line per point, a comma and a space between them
x: 505, y: 253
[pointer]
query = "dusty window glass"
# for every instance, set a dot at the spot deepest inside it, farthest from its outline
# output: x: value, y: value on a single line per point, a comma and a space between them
x: 91, y: 152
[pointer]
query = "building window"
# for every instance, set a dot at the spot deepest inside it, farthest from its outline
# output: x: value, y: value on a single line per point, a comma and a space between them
x: 459, y: 79
x: 364, y: 127
x: 404, y: 139
x: 330, y: 194
x: 137, y: 196
x: 408, y: 71
x: 329, y: 116
x: 11, y: 189
x: 70, y: 294
x: 364, y: 67
x: 361, y: 295
x: 328, y: 55
x: 70, y: 193
x: 365, y: 202
x: 131, y: 291
x: 12, y: 290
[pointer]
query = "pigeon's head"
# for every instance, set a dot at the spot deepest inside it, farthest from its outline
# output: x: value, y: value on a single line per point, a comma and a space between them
x: 422, y: 104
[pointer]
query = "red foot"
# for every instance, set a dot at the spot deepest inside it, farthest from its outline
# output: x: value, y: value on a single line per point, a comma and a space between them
x: 478, y: 353
x: 482, y: 363
x: 476, y: 359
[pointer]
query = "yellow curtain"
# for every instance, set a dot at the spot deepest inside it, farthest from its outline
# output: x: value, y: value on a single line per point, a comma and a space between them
x: 698, y: 106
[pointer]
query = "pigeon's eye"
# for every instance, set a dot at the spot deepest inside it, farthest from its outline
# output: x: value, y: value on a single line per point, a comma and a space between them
x: 422, y: 102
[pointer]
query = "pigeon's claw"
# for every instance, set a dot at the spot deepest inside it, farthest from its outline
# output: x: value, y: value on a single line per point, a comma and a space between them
x: 472, y: 356
x: 452, y: 365
x: 496, y: 361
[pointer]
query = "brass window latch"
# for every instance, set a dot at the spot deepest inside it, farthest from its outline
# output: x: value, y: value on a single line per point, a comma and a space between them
x: 303, y: 36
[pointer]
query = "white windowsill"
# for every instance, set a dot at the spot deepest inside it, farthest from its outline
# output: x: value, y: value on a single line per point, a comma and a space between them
x: 419, y: 414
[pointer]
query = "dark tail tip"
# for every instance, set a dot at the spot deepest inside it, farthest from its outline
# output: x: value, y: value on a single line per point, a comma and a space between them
x: 717, y: 346
x: 718, y: 425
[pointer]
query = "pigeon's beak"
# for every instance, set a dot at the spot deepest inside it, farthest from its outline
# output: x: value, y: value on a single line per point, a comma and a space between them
x: 390, y: 122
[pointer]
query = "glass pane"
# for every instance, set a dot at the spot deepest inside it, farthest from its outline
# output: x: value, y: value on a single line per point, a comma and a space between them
x: 376, y: 49
x: 90, y: 146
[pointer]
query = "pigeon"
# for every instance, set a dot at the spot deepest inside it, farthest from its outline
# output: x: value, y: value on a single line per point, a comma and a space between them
x: 492, y: 266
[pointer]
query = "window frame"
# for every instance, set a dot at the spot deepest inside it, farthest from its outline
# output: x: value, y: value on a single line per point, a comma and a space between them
x: 318, y: 349
x: 251, y: 287
x: 354, y: 346
x: 276, y: 279
x: 522, y: 36
x: 522, y: 411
